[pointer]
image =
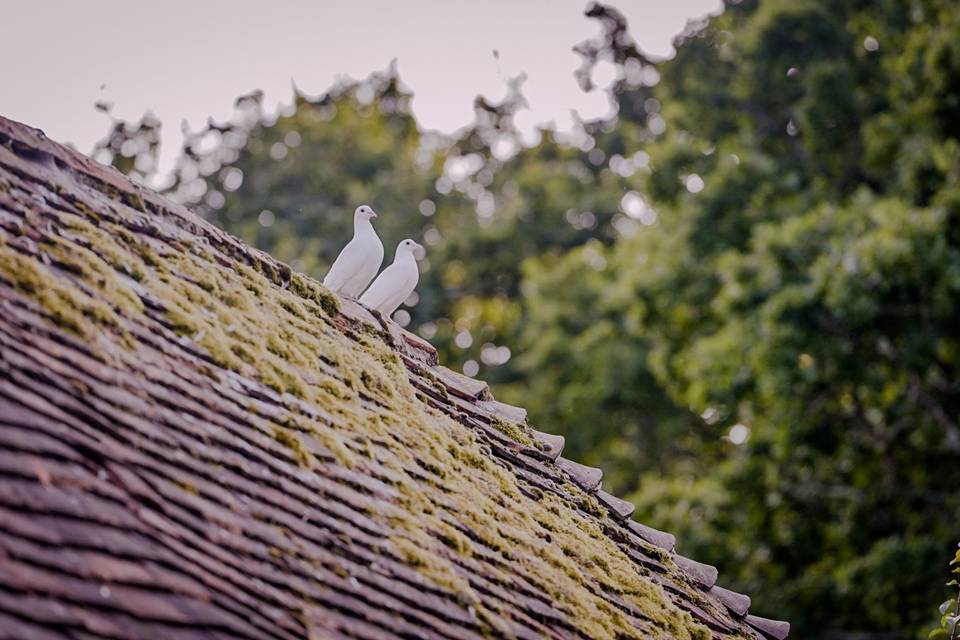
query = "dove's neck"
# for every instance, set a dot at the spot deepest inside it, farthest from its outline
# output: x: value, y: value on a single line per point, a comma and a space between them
x: 405, y: 257
x: 362, y: 227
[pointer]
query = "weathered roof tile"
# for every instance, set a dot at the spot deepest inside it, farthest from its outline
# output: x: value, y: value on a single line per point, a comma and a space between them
x: 776, y: 629
x: 655, y: 537
x: 588, y: 478
x: 705, y: 574
x: 553, y: 443
x: 504, y: 411
x: 737, y: 603
x: 420, y: 347
x: 408, y: 344
x: 464, y: 386
x: 356, y: 312
x: 619, y: 506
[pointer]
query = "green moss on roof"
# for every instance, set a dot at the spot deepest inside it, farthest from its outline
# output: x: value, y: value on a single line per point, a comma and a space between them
x: 287, y: 438
x: 75, y: 310
x: 512, y: 430
x: 89, y: 281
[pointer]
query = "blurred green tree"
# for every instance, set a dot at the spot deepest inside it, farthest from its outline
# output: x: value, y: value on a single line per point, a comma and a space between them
x: 801, y: 292
x: 133, y: 148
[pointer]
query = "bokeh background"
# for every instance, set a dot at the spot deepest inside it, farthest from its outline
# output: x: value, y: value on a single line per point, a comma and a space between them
x: 731, y: 279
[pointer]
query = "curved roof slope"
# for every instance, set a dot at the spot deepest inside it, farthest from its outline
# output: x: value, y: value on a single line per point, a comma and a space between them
x: 196, y: 442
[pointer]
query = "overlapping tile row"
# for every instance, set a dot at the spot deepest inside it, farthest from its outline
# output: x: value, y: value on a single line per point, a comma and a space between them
x: 144, y: 492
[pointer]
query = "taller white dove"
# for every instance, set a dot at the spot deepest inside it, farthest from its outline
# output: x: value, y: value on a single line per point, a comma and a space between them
x: 397, y: 281
x: 360, y: 260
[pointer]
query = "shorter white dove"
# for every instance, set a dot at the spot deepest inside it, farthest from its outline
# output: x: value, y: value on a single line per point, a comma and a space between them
x: 359, y: 261
x: 397, y: 281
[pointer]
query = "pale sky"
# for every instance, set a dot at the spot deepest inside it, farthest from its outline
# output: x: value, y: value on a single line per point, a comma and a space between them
x: 189, y: 59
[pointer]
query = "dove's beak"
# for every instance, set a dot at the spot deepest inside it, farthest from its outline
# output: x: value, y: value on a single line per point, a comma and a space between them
x: 373, y: 214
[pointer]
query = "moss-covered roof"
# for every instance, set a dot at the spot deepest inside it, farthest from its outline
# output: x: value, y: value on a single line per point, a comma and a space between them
x: 196, y: 441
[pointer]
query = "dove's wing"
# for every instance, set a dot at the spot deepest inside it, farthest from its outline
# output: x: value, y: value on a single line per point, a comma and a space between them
x: 380, y: 290
x: 411, y: 276
x: 391, y: 288
x: 373, y: 258
x: 345, y: 266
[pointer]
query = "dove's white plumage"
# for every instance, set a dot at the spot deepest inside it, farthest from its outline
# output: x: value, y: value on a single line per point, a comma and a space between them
x: 360, y: 260
x: 397, y: 281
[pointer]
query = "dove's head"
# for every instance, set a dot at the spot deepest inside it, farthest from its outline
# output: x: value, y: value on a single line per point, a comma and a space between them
x: 409, y: 247
x: 363, y: 212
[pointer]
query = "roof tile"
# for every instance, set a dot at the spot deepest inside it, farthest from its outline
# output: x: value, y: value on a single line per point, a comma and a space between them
x: 619, y: 506
x: 655, y: 537
x: 737, y: 603
x: 504, y: 411
x: 705, y: 574
x: 356, y: 312
x: 776, y: 629
x: 408, y: 344
x: 553, y: 443
x: 426, y: 351
x: 588, y: 478
x: 464, y: 386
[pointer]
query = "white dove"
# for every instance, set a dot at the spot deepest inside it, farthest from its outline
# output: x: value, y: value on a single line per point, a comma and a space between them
x: 360, y: 260
x: 397, y: 281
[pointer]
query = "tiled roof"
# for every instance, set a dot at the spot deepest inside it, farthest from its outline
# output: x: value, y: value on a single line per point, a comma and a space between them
x: 196, y: 442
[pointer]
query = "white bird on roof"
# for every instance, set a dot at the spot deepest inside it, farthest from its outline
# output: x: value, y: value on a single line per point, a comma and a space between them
x: 397, y: 281
x: 360, y: 260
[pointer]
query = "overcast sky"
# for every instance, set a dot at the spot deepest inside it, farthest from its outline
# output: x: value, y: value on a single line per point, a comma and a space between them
x: 188, y: 59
